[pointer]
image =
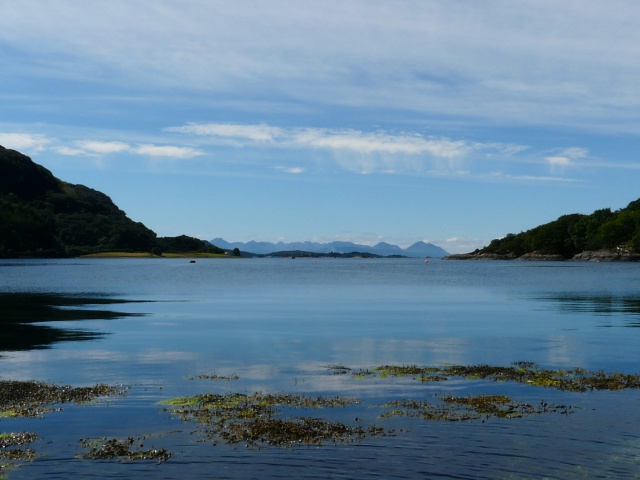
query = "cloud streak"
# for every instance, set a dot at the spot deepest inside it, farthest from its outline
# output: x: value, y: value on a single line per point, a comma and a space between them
x: 93, y: 148
x: 355, y: 151
x: 23, y: 141
x: 345, y: 140
x: 28, y: 142
x: 479, y: 60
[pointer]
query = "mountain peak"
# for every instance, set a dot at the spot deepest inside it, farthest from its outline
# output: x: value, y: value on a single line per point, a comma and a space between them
x: 418, y: 249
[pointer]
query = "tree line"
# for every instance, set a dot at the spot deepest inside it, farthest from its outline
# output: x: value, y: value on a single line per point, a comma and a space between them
x: 575, y: 233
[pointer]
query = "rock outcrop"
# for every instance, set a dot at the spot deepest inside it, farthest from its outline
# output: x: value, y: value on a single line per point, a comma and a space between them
x: 607, y: 256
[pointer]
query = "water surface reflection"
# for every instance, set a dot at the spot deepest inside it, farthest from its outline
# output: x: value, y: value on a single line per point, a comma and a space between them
x: 22, y: 316
x: 618, y: 311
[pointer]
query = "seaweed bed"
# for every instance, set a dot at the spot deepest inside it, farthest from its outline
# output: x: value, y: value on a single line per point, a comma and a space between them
x: 255, y: 419
x: 15, y: 448
x: 575, y: 380
x: 131, y: 448
x: 258, y: 419
x: 283, y: 420
x: 32, y: 399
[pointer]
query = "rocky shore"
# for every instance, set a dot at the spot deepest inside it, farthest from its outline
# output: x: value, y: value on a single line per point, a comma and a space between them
x: 588, y: 256
x: 607, y: 256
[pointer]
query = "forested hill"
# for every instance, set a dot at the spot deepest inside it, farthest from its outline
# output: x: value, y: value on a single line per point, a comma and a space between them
x: 43, y: 216
x: 613, y: 235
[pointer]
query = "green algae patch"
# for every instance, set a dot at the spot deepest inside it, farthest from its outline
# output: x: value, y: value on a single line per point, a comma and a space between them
x: 129, y: 449
x: 14, y: 449
x: 34, y: 399
x: 452, y: 408
x: 575, y: 380
x: 258, y: 420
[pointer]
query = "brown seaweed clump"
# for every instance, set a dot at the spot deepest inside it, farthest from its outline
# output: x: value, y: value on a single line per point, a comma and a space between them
x: 471, y: 407
x: 131, y: 448
x: 15, y: 448
x: 32, y: 399
x: 575, y: 380
x: 258, y: 419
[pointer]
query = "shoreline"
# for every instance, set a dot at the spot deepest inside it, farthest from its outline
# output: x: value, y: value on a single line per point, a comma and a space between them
x: 151, y: 255
x: 587, y: 256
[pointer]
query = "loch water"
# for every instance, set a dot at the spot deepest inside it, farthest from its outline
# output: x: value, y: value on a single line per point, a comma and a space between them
x: 153, y: 326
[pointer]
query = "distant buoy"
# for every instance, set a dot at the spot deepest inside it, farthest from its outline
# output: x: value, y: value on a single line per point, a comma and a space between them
x: 192, y: 261
x: 426, y: 261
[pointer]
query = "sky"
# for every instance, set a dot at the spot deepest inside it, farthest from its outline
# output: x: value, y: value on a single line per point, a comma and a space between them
x: 453, y: 122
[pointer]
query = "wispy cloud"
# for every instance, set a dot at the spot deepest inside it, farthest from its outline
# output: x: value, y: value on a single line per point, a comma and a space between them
x: 566, y: 158
x: 340, y: 140
x: 24, y: 141
x: 558, y: 161
x: 29, y: 142
x: 293, y: 170
x: 70, y: 151
x: 101, y: 148
x: 477, y: 60
x: 167, y: 151
x: 576, y: 152
x: 379, y: 142
x: 259, y: 133
x: 356, y: 150
x: 92, y: 147
x: 532, y: 178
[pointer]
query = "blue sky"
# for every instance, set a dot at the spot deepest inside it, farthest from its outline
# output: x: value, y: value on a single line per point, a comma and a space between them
x: 451, y: 122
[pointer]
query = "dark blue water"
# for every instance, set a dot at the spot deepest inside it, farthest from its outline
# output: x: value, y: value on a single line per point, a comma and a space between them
x: 152, y: 325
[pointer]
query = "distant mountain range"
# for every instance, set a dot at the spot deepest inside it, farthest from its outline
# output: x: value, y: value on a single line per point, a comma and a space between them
x: 43, y: 216
x: 418, y: 249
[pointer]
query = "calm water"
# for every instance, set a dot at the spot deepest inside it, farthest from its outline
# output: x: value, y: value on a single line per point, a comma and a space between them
x: 153, y: 325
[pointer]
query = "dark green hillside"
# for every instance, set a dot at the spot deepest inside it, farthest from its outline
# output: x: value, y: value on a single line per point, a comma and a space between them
x: 43, y: 216
x: 569, y: 235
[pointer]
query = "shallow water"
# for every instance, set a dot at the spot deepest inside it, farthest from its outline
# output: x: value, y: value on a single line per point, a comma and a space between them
x: 154, y: 324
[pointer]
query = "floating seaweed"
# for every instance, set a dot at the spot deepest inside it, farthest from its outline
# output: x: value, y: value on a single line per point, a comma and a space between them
x: 575, y: 380
x: 33, y: 399
x: 471, y: 407
x: 131, y: 448
x: 256, y: 419
x: 15, y: 448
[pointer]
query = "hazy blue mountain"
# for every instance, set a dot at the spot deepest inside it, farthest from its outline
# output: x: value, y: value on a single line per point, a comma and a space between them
x: 384, y: 248
x: 418, y: 249
x: 422, y: 249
